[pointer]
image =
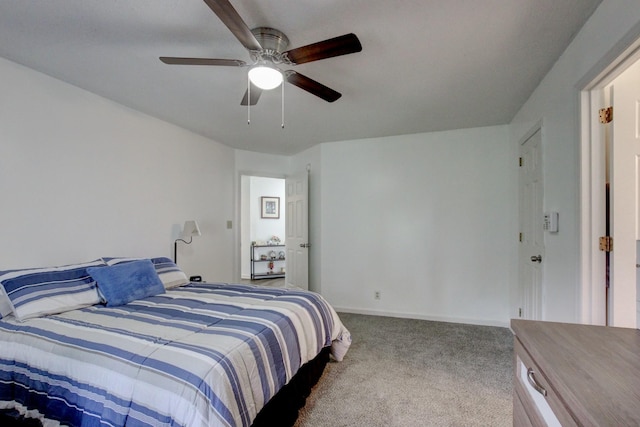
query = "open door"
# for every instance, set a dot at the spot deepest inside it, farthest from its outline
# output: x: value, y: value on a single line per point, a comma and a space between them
x: 297, y: 235
x: 625, y: 203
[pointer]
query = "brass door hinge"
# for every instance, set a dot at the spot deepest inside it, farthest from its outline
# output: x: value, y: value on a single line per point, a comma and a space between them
x: 606, y: 115
x: 606, y: 243
x: 520, y: 237
x: 520, y: 161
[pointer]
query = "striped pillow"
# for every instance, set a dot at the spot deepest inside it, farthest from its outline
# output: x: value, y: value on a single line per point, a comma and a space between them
x: 37, y: 292
x: 119, y: 260
x: 169, y: 272
x: 5, y: 305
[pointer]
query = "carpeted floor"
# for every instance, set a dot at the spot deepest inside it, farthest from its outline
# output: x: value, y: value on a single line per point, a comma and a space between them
x: 403, y: 372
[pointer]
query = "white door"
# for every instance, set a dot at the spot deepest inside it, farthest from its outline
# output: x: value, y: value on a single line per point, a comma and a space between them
x: 531, y: 249
x: 297, y: 225
x: 625, y: 153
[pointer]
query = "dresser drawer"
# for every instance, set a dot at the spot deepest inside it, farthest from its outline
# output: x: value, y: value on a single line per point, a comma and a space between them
x: 523, y: 417
x: 590, y: 374
x: 538, y: 398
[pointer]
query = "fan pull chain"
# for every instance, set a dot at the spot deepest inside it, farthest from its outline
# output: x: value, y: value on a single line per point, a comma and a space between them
x: 282, y: 84
x: 248, y: 100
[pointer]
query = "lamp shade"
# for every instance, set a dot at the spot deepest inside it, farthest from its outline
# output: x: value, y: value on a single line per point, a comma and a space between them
x: 191, y: 229
x: 265, y: 77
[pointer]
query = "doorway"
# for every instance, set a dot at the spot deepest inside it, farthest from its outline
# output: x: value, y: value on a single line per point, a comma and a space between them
x: 605, y: 163
x: 258, y: 227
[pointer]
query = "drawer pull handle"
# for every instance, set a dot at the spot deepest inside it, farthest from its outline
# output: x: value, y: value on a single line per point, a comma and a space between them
x: 534, y: 383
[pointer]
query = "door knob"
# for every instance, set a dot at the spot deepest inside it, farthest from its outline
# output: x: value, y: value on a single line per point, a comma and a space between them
x: 536, y: 258
x: 305, y: 245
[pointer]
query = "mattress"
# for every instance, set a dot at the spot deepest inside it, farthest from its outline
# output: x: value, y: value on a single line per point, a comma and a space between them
x: 208, y: 354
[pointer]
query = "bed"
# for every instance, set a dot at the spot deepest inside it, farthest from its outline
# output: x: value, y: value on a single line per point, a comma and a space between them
x: 191, y: 354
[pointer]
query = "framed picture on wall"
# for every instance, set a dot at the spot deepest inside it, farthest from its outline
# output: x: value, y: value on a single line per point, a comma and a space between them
x: 270, y: 207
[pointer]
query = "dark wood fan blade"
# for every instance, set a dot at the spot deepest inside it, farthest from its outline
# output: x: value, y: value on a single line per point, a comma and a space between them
x: 255, y: 95
x: 234, y: 22
x: 202, y: 61
x: 336, y: 46
x: 312, y: 86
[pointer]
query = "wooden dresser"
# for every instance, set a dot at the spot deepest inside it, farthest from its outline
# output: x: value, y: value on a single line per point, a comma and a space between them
x: 575, y: 375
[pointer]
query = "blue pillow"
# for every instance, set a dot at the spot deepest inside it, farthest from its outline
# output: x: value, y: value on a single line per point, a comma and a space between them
x: 169, y: 273
x: 126, y: 282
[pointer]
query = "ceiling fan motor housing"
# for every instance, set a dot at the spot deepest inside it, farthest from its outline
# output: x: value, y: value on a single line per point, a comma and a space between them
x: 273, y: 41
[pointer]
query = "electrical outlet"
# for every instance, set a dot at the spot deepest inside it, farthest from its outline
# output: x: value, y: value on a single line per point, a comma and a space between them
x: 376, y: 295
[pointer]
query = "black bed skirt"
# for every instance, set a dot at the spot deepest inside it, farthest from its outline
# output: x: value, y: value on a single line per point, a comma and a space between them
x: 281, y: 410
x: 12, y: 418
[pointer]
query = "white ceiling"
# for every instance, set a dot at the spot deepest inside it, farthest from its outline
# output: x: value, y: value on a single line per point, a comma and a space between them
x: 426, y: 65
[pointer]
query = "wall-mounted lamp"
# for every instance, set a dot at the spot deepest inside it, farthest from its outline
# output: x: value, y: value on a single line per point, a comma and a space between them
x: 190, y: 229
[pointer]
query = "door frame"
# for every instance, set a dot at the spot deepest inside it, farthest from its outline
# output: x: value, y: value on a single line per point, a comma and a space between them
x: 592, y: 300
x: 294, y: 253
x: 540, y: 314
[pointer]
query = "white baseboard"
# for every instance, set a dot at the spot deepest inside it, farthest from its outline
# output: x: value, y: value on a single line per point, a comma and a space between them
x: 403, y: 315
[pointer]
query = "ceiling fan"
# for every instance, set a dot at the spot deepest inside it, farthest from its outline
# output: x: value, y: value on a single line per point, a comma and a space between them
x: 266, y: 48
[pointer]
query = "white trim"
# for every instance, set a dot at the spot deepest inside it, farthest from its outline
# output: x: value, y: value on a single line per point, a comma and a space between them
x: 592, y: 216
x: 538, y: 126
x: 404, y: 315
x: 592, y: 170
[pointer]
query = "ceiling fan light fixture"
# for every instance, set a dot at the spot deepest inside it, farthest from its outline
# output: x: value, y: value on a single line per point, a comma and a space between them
x: 265, y: 77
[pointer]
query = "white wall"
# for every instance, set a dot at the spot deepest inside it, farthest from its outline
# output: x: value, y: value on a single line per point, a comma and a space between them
x: 264, y: 228
x: 556, y: 102
x: 82, y: 177
x: 427, y: 220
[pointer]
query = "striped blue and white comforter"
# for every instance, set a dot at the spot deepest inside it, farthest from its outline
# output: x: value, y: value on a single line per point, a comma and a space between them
x: 199, y: 355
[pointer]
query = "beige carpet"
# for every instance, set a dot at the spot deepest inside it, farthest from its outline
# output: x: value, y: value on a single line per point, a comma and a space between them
x: 402, y: 372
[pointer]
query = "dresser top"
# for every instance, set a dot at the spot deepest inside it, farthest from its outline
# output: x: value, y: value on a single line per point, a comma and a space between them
x: 595, y: 369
